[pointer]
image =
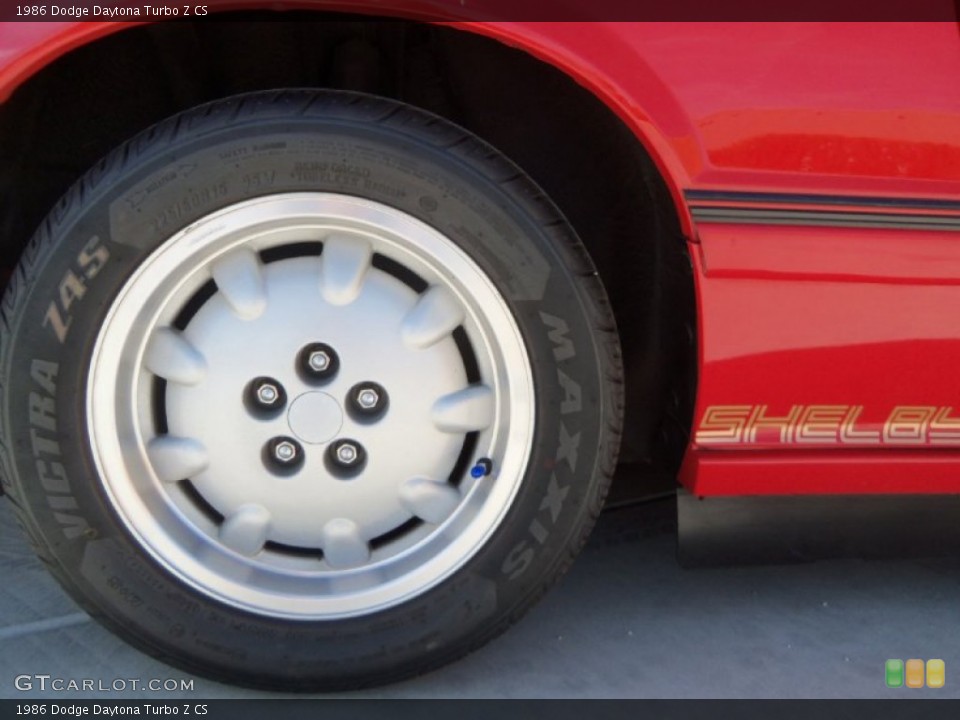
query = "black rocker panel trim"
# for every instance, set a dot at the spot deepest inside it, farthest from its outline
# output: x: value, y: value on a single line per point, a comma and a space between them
x: 764, y: 529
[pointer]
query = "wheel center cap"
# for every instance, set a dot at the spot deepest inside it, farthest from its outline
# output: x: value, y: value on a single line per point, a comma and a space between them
x: 315, y: 417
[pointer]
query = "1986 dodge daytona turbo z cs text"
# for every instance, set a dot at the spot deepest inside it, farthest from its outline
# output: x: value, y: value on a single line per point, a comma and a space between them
x: 324, y: 334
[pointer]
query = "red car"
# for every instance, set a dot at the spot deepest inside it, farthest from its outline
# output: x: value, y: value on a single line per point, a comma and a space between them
x: 316, y: 371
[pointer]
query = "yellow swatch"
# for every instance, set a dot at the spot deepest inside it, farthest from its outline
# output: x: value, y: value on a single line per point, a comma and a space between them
x: 936, y: 673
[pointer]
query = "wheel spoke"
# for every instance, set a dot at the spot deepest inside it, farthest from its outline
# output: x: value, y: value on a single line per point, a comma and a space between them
x: 428, y: 499
x: 176, y: 458
x: 465, y: 410
x: 239, y: 276
x: 436, y: 314
x: 345, y: 262
x: 343, y: 546
x: 245, y: 530
x: 170, y: 356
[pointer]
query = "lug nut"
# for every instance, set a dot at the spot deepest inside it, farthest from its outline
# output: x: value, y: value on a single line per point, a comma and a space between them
x: 283, y: 454
x: 318, y: 362
x: 345, y: 458
x: 347, y: 454
x: 367, y: 401
x: 265, y: 395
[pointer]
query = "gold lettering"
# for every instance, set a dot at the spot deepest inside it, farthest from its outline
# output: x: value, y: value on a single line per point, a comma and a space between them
x: 820, y: 423
x: 760, y: 421
x: 850, y: 434
x: 907, y: 425
x: 722, y: 424
x: 945, y: 430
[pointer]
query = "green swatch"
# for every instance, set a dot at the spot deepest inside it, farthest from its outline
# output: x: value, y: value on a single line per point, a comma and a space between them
x: 894, y: 673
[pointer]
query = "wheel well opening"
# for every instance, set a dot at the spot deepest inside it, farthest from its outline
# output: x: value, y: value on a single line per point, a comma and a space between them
x: 73, y: 112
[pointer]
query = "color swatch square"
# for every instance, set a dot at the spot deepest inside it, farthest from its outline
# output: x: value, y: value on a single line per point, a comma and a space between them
x: 914, y: 674
x: 894, y: 673
x: 936, y: 673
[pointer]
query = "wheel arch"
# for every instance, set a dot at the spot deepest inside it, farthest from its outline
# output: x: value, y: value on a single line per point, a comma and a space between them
x: 40, y: 47
x: 640, y: 250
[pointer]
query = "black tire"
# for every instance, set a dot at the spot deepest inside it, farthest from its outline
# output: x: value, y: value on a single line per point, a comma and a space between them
x: 218, y: 154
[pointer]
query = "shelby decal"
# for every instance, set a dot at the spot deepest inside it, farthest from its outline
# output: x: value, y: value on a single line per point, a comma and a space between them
x: 829, y: 425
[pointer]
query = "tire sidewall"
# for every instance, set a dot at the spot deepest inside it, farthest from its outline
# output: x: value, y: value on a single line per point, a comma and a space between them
x: 182, y: 171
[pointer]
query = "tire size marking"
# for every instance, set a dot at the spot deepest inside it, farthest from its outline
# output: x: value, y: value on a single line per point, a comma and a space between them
x: 73, y: 286
x: 188, y: 205
x: 259, y: 181
x: 46, y: 450
x: 129, y: 596
x: 524, y: 552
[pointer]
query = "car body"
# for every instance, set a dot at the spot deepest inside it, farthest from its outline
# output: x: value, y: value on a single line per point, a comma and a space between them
x: 811, y: 175
x: 813, y: 170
